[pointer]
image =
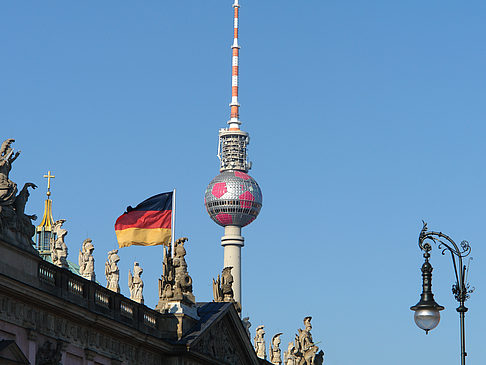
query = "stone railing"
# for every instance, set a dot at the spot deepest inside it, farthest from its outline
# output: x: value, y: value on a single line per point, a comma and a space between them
x: 100, y: 300
x: 47, y: 274
x: 150, y: 320
x: 75, y: 287
x: 126, y: 309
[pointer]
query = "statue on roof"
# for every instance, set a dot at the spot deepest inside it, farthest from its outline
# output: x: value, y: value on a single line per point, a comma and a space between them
x: 305, y: 350
x: 289, y: 356
x: 59, y: 250
x: 175, y: 285
x: 182, y: 278
x: 247, y: 325
x: 24, y: 221
x: 227, y: 285
x: 15, y: 226
x: 217, y: 294
x: 86, y: 260
x: 275, y: 352
x: 8, y: 188
x: 135, y: 283
x: 223, y: 288
x: 112, y: 272
x: 259, y: 342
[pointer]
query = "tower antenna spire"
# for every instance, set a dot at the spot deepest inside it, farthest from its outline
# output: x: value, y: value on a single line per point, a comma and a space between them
x: 234, y: 122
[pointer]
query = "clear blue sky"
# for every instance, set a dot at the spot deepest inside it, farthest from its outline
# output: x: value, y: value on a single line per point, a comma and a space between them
x: 364, y: 117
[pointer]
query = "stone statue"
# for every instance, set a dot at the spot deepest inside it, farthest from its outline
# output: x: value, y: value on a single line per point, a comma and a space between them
x: 247, y: 325
x: 8, y: 188
x: 86, y: 260
x: 305, y: 349
x: 182, y: 278
x: 289, y: 355
x: 217, y: 294
x: 48, y: 355
x: 59, y: 249
x: 24, y: 221
x: 275, y: 352
x: 227, y: 285
x: 260, y: 342
x: 319, y: 359
x: 223, y: 288
x: 135, y: 283
x: 15, y: 226
x: 175, y: 284
x: 112, y: 272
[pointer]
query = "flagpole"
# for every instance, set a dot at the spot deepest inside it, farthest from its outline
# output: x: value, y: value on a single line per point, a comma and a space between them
x: 172, y: 241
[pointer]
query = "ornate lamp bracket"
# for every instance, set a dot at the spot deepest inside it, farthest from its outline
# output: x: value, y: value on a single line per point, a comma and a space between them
x: 461, y: 288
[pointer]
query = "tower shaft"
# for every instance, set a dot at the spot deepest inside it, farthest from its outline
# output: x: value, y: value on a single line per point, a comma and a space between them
x: 232, y: 241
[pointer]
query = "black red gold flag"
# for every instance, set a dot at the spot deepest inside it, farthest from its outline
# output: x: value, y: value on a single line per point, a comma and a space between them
x: 148, y: 224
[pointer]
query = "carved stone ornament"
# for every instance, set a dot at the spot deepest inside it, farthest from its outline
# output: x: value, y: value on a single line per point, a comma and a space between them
x: 8, y: 189
x: 59, y: 250
x: 112, y: 273
x: 135, y: 283
x: 289, y: 356
x: 15, y: 226
x: 86, y: 260
x: 175, y: 285
x: 223, y: 287
x: 219, y: 343
x: 79, y: 333
x: 304, y: 350
x: 247, y: 325
x: 275, y: 352
x: 259, y: 342
x: 48, y: 354
x: 217, y: 294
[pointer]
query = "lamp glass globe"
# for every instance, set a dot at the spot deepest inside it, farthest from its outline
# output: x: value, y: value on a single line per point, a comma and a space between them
x: 427, y: 318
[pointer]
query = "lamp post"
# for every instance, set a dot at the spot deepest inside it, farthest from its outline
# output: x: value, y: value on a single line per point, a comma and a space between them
x: 427, y: 311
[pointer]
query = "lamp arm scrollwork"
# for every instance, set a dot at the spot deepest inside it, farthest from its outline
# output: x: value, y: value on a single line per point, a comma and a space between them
x: 461, y: 288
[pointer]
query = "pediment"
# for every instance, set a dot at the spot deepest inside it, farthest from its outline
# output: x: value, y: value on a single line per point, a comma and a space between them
x: 221, y: 336
x: 10, y: 353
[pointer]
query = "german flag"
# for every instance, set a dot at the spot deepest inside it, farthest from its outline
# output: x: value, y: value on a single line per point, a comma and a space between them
x: 148, y: 224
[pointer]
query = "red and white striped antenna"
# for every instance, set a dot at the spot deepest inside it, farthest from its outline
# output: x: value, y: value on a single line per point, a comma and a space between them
x: 234, y: 123
x: 232, y: 140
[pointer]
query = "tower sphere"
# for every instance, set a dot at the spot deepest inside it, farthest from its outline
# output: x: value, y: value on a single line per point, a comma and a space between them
x: 233, y: 198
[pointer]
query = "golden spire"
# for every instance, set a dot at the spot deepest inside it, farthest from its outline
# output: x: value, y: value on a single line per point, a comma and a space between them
x: 47, y: 220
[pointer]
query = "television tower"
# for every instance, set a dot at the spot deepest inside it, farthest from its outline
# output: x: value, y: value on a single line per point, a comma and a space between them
x: 233, y: 199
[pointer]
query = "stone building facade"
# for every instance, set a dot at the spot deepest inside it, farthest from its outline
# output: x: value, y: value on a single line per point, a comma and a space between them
x: 49, y: 315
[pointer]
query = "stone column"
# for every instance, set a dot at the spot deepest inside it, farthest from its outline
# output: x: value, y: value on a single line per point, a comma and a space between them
x: 89, y: 356
x: 32, y: 338
x: 232, y: 241
x: 64, y: 348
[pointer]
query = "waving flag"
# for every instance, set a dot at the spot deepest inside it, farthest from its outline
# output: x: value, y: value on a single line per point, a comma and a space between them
x: 148, y: 224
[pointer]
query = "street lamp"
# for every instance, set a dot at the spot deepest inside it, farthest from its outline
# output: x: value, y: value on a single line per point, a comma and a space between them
x: 427, y: 311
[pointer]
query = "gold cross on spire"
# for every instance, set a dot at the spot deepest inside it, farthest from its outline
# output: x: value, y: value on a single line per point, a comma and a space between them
x: 49, y: 177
